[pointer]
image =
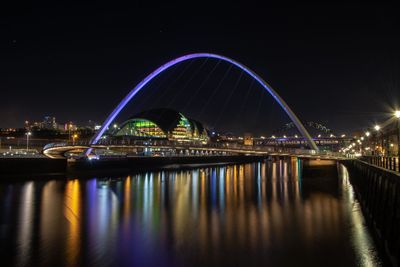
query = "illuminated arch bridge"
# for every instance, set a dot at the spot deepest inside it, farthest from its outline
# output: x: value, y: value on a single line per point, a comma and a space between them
x: 178, y: 60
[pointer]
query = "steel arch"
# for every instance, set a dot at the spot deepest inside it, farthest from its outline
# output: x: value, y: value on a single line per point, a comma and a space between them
x: 175, y: 61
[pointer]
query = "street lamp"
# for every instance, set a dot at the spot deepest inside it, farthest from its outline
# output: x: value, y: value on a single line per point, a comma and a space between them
x: 377, y: 128
x: 397, y: 115
x: 74, y: 137
x: 27, y: 140
x: 69, y: 131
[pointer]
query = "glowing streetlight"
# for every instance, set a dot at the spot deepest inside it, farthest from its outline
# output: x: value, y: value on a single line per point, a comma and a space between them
x: 69, y: 131
x: 367, y: 134
x: 27, y: 140
x: 377, y: 128
x: 397, y: 115
x: 74, y: 137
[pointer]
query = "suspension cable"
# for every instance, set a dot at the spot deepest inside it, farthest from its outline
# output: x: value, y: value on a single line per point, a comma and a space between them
x: 200, y: 87
x: 228, y: 99
x: 214, y: 91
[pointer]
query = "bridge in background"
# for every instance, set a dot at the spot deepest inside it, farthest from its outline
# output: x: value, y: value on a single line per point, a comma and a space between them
x: 178, y: 60
x: 184, y: 149
x: 169, y: 149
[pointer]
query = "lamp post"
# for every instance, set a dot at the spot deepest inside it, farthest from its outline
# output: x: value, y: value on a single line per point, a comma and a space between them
x: 74, y: 137
x: 368, y: 142
x: 27, y: 140
x: 377, y: 128
x: 397, y: 115
x: 69, y: 131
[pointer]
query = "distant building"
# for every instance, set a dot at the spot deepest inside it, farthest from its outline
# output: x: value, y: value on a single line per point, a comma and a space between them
x: 248, y: 139
x: 90, y: 125
x: 162, y: 124
x: 49, y: 123
x: 70, y: 126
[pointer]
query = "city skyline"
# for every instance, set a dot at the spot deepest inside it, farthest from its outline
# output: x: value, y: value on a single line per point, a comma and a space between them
x: 199, y: 133
x: 77, y: 69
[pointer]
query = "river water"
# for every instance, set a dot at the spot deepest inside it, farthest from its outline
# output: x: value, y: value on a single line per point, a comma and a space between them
x: 258, y: 214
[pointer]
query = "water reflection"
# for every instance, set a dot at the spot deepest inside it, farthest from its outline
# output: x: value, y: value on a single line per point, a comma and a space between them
x: 25, y: 224
x: 251, y: 214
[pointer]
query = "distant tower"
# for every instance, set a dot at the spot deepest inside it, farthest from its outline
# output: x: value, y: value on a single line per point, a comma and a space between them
x: 49, y: 123
x: 248, y: 139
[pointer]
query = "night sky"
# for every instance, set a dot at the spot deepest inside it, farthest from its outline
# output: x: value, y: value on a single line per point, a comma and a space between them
x: 337, y: 64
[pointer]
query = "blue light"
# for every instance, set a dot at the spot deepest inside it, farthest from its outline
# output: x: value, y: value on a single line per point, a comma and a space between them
x: 173, y: 62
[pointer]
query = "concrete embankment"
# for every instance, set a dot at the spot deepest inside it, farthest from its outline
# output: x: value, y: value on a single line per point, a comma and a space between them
x: 35, y: 167
x: 378, y: 191
x: 27, y: 167
x: 154, y: 163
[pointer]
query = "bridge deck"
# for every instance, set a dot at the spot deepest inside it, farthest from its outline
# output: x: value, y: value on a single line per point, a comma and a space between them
x: 60, y: 150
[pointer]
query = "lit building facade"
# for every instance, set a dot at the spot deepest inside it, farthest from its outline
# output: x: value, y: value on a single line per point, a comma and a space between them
x: 163, y: 124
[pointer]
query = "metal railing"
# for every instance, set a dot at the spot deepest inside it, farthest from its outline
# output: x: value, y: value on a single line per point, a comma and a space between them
x: 379, y: 193
x: 20, y: 153
x: 390, y: 163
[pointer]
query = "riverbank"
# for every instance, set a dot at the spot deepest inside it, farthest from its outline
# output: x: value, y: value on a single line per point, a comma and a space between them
x: 378, y: 192
x: 32, y: 166
x: 36, y: 167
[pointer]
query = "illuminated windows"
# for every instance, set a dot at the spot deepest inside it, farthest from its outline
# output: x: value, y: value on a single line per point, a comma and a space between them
x: 164, y: 124
x: 141, y: 128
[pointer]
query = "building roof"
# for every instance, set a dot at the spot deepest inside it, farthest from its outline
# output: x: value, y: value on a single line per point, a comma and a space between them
x: 167, y: 119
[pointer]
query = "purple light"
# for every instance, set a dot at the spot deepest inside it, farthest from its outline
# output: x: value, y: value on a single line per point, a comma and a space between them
x: 173, y: 62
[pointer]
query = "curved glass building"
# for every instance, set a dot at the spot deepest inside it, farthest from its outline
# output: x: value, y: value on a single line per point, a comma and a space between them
x: 163, y: 124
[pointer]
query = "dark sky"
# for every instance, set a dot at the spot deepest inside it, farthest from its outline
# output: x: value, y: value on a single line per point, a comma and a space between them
x: 333, y: 63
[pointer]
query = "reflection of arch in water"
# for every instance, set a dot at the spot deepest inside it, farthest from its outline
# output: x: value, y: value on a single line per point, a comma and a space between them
x: 175, y: 61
